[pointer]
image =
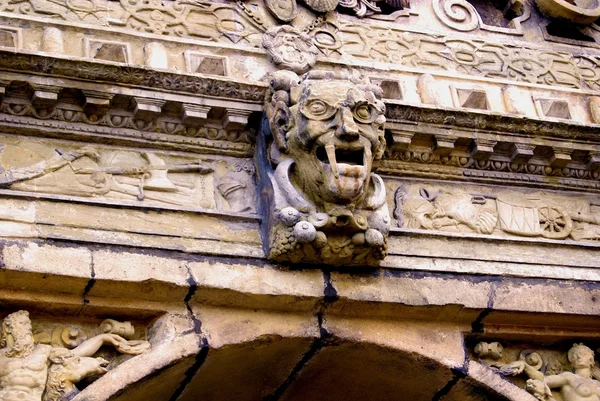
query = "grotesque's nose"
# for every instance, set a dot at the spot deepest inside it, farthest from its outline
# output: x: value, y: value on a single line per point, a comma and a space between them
x: 347, y: 128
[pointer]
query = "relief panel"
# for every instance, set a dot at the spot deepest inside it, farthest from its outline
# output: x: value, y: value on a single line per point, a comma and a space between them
x: 551, y: 374
x: 136, y: 177
x: 46, y: 364
x: 488, y: 211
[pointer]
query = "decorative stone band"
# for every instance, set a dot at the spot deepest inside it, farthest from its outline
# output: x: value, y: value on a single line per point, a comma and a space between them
x: 117, y: 73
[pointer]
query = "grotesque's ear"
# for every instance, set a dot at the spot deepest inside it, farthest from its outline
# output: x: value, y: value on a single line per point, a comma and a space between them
x: 278, y: 115
x: 381, y: 145
x: 277, y: 106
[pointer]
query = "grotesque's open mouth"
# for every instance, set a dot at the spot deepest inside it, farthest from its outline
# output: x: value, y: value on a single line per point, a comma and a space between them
x: 334, y: 156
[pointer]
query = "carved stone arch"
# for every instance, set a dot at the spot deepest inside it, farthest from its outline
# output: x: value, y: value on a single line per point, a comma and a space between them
x: 271, y: 365
x: 163, y: 364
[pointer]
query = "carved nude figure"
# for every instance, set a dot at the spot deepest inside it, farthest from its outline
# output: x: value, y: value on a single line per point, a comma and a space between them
x: 24, y: 365
x: 578, y: 385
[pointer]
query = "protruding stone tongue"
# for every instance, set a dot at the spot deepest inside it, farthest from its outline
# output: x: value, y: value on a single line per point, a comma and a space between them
x: 330, y: 149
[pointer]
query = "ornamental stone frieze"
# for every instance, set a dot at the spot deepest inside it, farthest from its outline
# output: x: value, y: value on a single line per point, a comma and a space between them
x: 320, y: 138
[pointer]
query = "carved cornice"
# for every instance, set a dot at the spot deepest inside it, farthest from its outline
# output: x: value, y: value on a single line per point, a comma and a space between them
x: 196, y: 84
x: 488, y: 147
x: 490, y: 121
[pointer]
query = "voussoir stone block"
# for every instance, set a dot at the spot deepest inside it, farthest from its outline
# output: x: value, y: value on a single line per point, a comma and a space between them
x: 251, y: 352
x: 41, y: 267
x: 388, y: 292
x: 248, y: 285
x: 135, y: 275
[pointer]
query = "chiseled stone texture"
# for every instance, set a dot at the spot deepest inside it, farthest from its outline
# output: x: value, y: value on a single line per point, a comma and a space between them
x: 438, y: 341
x: 388, y: 293
x: 47, y: 268
x: 549, y: 297
x: 223, y: 326
x: 137, y: 275
x: 256, y: 286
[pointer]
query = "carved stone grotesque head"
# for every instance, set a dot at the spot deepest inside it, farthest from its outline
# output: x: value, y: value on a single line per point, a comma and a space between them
x: 327, y: 129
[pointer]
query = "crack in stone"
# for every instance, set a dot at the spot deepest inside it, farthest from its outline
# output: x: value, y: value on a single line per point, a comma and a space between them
x: 457, y: 374
x: 330, y: 295
x: 477, y: 325
x: 192, y: 371
x: 204, y: 347
x: 88, y: 287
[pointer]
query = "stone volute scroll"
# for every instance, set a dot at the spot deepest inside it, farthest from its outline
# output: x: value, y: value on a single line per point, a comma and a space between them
x: 46, y: 368
x: 320, y: 137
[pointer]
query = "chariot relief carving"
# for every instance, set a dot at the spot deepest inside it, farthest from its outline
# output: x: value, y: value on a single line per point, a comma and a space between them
x: 572, y: 376
x: 321, y: 135
x: 527, y: 215
x: 34, y: 370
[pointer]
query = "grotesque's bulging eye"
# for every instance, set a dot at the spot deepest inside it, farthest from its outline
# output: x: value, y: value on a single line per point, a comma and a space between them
x: 364, y: 113
x: 317, y: 110
x: 317, y: 107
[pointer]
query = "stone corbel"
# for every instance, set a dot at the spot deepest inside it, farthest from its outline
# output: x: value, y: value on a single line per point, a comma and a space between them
x: 147, y: 109
x: 192, y: 114
x: 96, y: 101
x: 444, y: 144
x: 324, y: 203
x: 483, y: 149
x: 561, y: 157
x: 236, y: 118
x: 45, y: 96
x: 521, y: 153
x: 593, y: 161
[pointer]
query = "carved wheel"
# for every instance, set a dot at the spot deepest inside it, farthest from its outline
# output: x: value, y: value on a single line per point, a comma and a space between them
x: 555, y: 223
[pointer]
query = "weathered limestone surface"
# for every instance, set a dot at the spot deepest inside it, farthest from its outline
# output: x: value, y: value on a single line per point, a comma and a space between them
x: 300, y: 200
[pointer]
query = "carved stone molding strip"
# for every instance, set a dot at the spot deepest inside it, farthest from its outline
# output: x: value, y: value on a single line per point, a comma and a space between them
x: 95, y: 133
x: 501, y: 123
x: 521, y: 63
x: 407, y: 169
x: 133, y: 75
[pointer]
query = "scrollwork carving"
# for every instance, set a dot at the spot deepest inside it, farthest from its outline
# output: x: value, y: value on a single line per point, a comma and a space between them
x: 457, y: 14
x: 463, y: 16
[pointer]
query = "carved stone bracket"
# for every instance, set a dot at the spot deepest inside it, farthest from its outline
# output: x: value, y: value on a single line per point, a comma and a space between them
x: 320, y: 138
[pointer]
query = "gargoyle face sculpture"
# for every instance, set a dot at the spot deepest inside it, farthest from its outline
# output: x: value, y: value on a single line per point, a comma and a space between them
x: 324, y: 203
x: 336, y: 133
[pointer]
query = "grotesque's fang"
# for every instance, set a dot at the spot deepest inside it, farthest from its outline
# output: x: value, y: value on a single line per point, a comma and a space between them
x: 330, y: 149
